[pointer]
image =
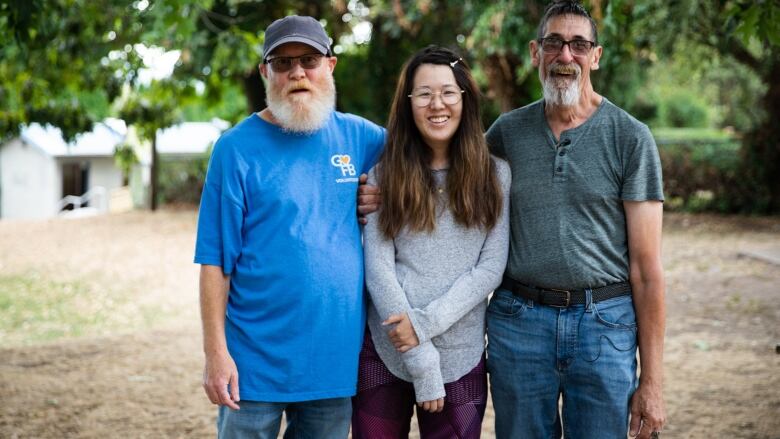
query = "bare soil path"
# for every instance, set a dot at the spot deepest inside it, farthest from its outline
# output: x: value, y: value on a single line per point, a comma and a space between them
x: 134, y: 369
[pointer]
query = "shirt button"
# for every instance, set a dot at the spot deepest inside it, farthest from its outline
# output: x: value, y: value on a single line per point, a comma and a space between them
x: 562, y: 153
x: 565, y: 142
x: 559, y: 169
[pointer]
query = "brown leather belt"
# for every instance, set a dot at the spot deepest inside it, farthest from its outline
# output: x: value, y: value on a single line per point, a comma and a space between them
x: 561, y: 298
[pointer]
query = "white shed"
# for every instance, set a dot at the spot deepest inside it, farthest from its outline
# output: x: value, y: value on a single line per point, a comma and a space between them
x: 40, y: 172
x: 39, y: 169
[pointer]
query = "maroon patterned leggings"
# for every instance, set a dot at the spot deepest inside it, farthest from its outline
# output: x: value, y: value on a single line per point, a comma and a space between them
x: 383, y: 406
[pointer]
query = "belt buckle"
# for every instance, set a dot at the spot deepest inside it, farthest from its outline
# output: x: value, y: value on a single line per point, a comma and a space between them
x: 568, y: 298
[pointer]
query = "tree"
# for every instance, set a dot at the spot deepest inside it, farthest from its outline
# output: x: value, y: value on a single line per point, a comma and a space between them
x: 500, y: 36
x: 150, y: 110
x: 749, y: 33
x: 221, y: 40
x: 69, y: 59
x: 64, y: 61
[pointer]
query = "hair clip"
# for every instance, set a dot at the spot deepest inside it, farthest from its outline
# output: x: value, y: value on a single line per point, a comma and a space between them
x: 452, y: 64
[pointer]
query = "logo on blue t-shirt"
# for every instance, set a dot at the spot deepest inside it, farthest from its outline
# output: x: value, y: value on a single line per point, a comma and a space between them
x: 343, y: 162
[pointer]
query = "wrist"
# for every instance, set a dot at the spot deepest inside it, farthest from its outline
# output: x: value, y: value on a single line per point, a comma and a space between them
x: 650, y: 380
x: 417, y: 321
x: 215, y: 349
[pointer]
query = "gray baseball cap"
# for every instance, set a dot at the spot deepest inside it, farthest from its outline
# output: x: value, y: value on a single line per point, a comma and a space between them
x: 296, y: 29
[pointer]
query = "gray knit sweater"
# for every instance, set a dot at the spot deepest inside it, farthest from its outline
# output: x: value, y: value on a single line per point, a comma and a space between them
x: 442, y: 280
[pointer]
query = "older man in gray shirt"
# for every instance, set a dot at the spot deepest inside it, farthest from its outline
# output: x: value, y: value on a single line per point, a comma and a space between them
x: 584, y: 283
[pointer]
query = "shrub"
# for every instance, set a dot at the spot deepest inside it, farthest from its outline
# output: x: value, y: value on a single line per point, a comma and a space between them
x: 683, y: 110
x: 181, y: 180
x: 701, y: 174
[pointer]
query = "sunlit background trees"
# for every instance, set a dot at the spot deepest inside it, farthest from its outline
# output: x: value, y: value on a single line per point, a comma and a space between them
x: 704, y: 75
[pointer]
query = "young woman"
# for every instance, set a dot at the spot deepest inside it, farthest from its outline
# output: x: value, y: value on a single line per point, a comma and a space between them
x: 434, y: 251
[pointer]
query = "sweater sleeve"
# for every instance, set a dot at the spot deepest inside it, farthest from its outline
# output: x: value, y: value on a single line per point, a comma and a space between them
x: 475, y: 285
x: 386, y: 293
x: 387, y: 297
x: 423, y: 364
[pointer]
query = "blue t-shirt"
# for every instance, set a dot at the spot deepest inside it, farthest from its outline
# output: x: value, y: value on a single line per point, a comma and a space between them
x: 279, y: 215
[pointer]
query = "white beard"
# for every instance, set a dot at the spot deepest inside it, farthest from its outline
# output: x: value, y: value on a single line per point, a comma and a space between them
x: 302, y: 114
x: 561, y: 92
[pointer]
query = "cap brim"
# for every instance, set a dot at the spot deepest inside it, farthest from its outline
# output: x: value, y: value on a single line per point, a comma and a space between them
x: 297, y: 39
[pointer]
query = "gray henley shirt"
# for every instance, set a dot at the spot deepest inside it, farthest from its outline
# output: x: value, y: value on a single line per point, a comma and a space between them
x: 568, y: 227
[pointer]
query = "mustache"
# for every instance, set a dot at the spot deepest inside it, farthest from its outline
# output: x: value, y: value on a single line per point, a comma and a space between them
x: 297, y: 85
x: 564, y: 69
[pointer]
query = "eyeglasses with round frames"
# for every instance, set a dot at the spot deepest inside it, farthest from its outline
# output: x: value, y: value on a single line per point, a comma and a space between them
x: 450, y: 95
x: 577, y: 46
x: 282, y: 64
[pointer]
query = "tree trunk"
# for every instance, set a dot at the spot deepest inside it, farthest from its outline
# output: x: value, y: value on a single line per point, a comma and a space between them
x: 155, y: 172
x: 762, y: 146
x: 254, y: 90
x: 501, y: 71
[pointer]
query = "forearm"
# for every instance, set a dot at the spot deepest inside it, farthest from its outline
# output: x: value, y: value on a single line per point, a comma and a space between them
x: 467, y: 292
x: 648, y: 294
x: 644, y: 223
x: 214, y: 288
x: 385, y: 290
x: 423, y: 364
x: 471, y: 287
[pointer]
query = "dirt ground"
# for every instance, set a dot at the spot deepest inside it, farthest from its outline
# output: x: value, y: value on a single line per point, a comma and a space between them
x: 140, y: 377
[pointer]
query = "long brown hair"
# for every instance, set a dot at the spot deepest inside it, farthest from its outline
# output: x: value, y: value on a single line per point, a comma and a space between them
x: 408, y: 187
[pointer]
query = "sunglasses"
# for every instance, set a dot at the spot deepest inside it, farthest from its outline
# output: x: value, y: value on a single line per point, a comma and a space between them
x: 282, y: 64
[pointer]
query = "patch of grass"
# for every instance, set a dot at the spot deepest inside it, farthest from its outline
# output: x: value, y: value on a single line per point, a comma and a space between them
x: 36, y: 309
x: 663, y: 135
x: 751, y: 306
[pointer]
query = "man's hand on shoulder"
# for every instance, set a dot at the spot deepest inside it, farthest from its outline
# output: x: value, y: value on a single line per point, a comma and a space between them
x: 219, y: 373
x: 369, y: 199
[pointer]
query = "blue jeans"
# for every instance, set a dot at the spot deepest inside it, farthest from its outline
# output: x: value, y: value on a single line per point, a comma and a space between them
x: 322, y: 418
x: 585, y: 354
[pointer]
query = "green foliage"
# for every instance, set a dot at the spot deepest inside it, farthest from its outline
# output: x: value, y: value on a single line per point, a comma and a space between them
x: 627, y: 52
x: 352, y: 68
x: 497, y: 35
x: 693, y: 135
x: 744, y: 32
x: 721, y: 91
x: 700, y: 173
x: 221, y: 41
x: 181, y: 180
x: 124, y: 158
x: 670, y: 63
x: 231, y: 108
x: 683, y: 110
x: 734, y: 92
x: 34, y: 309
x: 57, y: 68
x: 749, y: 19
x: 397, y: 34
x: 152, y: 108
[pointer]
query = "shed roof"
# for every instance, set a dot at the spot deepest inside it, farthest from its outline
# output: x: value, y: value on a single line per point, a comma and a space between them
x: 187, y: 138
x: 98, y: 142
